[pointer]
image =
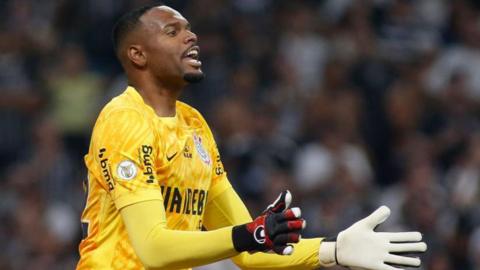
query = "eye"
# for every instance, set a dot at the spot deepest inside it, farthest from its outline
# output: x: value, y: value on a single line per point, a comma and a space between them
x: 172, y: 33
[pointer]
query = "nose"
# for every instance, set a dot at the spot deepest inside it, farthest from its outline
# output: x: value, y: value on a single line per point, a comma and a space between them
x: 191, y: 37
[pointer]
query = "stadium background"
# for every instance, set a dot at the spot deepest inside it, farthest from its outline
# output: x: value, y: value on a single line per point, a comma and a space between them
x: 350, y: 104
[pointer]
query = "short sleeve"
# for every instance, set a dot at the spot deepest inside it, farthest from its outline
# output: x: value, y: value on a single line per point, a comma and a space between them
x: 124, y: 147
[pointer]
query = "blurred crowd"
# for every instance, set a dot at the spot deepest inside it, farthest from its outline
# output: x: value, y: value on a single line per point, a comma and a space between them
x: 349, y: 104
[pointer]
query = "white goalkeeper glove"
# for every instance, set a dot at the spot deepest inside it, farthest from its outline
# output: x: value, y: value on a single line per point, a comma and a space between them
x: 361, y: 248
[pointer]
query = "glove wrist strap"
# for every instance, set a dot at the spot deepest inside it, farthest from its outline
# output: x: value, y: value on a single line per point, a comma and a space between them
x: 328, y: 252
x: 242, y: 239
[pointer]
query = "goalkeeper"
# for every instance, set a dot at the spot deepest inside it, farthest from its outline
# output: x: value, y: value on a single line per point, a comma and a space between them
x: 155, y: 178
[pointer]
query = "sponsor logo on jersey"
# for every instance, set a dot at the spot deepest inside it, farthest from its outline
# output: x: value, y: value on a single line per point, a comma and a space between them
x: 146, y: 159
x: 218, y: 165
x: 204, y: 156
x: 126, y: 170
x: 105, y: 169
x: 187, y: 201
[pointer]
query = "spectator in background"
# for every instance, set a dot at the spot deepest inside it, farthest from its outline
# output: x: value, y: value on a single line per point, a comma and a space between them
x: 75, y: 94
x: 19, y: 101
x: 303, y: 48
x: 462, y: 58
x: 462, y: 177
x: 46, y: 188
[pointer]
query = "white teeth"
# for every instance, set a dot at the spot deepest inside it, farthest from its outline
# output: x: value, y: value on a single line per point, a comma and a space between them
x: 192, y: 58
x: 192, y: 53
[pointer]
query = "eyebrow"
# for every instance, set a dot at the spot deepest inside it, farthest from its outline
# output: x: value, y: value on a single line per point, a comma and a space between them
x: 177, y: 24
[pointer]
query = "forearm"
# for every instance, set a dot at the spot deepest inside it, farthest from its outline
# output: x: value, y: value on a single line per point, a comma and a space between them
x: 161, y: 248
x: 305, y: 256
x: 169, y: 249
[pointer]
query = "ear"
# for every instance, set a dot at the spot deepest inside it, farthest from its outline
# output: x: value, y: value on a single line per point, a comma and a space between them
x: 137, y: 55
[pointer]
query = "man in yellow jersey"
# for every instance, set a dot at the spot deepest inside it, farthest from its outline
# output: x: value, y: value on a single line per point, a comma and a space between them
x: 155, y: 178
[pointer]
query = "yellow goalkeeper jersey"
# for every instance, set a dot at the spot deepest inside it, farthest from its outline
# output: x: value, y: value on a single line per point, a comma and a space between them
x: 137, y: 156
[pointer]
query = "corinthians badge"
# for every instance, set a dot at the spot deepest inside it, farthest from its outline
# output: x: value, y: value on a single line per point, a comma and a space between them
x: 197, y: 140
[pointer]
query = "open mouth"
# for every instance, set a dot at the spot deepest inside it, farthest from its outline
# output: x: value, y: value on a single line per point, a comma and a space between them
x: 192, y: 55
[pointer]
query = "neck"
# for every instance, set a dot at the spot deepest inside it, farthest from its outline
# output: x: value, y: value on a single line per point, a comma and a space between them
x: 161, y: 98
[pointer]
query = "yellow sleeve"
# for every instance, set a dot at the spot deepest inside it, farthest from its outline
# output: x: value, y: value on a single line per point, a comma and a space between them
x: 225, y: 208
x: 161, y: 248
x: 124, y: 149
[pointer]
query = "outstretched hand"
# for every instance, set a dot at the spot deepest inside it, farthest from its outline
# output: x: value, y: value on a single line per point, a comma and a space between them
x: 360, y: 247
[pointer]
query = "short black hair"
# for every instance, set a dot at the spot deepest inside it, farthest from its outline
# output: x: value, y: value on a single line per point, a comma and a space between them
x: 128, y: 22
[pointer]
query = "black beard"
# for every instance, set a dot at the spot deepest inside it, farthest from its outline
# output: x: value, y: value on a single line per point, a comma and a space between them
x: 193, y: 77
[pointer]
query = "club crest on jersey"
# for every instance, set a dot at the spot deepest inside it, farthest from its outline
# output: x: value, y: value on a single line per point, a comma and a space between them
x: 197, y: 140
x: 126, y: 170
